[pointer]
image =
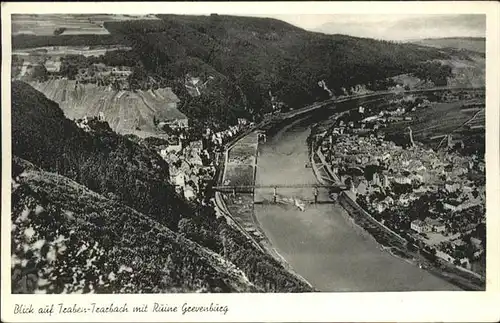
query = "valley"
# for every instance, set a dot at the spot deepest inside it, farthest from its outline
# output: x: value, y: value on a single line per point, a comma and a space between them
x: 134, y: 124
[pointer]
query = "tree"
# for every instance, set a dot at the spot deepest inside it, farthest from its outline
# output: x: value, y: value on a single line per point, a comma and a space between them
x: 59, y: 31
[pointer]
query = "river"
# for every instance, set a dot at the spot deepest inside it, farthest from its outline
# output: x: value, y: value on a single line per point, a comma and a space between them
x: 321, y: 243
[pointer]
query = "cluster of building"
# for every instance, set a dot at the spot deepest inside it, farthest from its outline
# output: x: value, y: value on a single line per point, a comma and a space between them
x: 366, y: 119
x: 190, y: 168
x: 98, y: 73
x: 192, y: 163
x: 389, y: 181
x: 50, y: 59
x: 85, y: 122
x: 104, y: 75
x: 218, y: 138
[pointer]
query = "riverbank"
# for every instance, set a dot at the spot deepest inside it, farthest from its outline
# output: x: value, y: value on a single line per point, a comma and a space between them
x: 390, y: 241
x: 238, y: 208
x: 321, y: 243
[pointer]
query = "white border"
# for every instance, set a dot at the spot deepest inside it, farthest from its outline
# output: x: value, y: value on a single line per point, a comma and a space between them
x: 319, y: 307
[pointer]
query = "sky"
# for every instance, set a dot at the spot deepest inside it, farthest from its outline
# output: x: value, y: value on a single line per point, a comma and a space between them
x: 392, y: 27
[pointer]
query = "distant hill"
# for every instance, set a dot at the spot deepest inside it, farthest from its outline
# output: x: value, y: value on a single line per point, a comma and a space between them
x: 115, y: 196
x: 475, y: 44
x: 467, y: 59
x: 253, y: 61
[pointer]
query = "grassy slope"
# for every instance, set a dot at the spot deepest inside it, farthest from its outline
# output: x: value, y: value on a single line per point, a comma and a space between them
x: 74, y: 240
x: 467, y: 58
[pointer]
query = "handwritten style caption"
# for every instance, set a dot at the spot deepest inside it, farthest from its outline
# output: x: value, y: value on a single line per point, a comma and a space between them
x: 97, y: 308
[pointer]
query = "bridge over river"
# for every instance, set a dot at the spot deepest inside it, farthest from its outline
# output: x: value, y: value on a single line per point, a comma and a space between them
x: 314, y: 193
x: 321, y: 242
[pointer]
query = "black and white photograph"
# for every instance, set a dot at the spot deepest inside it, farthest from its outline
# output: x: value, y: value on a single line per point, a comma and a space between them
x: 169, y: 153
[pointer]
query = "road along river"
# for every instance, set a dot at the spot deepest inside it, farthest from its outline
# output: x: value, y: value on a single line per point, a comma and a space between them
x: 321, y: 243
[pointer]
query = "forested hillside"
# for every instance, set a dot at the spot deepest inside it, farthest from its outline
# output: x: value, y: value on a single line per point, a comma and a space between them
x: 258, y: 55
x: 68, y: 239
x: 110, y: 184
x: 104, y: 162
x: 250, y: 63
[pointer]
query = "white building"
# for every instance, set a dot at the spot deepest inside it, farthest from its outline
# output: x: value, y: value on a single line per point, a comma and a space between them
x: 385, y: 181
x: 370, y: 119
x: 189, y: 193
x: 180, y: 179
x: 419, y: 226
x: 452, y: 206
x: 174, y: 145
x: 242, y: 121
x: 402, y: 180
x: 52, y: 66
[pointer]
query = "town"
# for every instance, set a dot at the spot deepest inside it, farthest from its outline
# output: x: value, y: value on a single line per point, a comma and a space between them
x: 192, y: 161
x: 434, y: 198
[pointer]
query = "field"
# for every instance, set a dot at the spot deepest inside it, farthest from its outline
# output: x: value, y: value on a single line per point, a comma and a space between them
x: 239, y: 175
x: 437, y: 120
x: 59, y: 51
x: 241, y: 207
x: 409, y: 80
x: 239, y: 169
x: 479, y: 120
x: 467, y: 72
x: 465, y: 43
x: 47, y: 24
x: 242, y: 154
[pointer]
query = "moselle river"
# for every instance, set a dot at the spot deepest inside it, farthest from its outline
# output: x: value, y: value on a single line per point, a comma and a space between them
x: 321, y: 243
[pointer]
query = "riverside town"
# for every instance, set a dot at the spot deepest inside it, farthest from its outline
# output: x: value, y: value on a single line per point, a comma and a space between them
x: 216, y: 153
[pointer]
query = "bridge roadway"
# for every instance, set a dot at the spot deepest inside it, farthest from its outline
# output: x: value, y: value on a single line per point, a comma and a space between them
x: 228, y: 188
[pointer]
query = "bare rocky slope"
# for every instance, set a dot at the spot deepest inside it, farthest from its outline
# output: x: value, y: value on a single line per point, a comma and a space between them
x: 125, y: 111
